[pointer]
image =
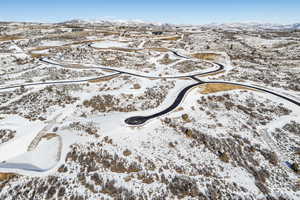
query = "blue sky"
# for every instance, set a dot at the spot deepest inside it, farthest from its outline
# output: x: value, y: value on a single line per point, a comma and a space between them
x: 183, y: 11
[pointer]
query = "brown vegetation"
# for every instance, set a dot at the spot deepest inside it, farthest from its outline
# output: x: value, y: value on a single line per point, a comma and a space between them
x: 220, y: 87
x: 136, y: 86
x: 206, y: 56
x: 174, y: 38
x: 103, y: 79
x: 6, y: 176
x: 10, y: 37
x: 162, y: 50
x: 49, y: 136
x: 166, y: 60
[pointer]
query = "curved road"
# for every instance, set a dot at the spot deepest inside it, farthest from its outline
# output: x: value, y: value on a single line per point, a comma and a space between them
x: 139, y: 120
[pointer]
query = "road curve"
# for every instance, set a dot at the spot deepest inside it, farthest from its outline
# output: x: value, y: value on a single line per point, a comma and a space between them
x: 117, y: 72
x: 140, y: 120
x: 220, y: 67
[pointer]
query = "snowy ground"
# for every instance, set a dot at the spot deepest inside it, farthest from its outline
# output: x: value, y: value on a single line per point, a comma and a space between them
x: 62, y: 126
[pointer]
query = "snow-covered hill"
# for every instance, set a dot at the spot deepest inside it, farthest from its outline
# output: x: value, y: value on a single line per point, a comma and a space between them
x: 256, y: 26
x: 115, y: 22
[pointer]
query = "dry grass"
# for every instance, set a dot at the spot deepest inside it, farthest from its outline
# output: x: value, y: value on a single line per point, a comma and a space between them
x: 184, y: 78
x: 174, y: 38
x: 179, y: 109
x: 98, y: 80
x: 72, y: 35
x: 38, y: 55
x: 11, y: 37
x: 159, y: 49
x: 152, y: 79
x: 107, y: 70
x: 136, y: 86
x: 49, y: 136
x: 6, y: 176
x: 206, y: 56
x: 220, y: 87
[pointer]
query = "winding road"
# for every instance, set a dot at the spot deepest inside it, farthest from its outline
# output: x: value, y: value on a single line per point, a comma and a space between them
x: 134, y: 120
x: 140, y: 120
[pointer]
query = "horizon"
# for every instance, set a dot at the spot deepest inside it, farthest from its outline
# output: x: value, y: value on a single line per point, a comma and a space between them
x: 149, y: 22
x: 175, y: 12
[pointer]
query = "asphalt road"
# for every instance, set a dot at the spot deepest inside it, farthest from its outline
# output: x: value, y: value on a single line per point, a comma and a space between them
x: 139, y: 120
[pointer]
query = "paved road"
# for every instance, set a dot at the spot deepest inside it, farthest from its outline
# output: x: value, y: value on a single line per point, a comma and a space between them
x: 139, y: 120
x: 57, y: 82
x: 260, y: 89
x: 220, y: 68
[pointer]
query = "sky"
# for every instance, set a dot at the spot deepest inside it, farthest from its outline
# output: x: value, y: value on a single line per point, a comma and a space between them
x: 176, y: 11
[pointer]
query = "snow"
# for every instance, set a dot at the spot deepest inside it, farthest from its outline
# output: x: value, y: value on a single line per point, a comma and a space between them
x: 44, y: 157
x: 152, y: 139
x: 52, y: 43
x: 113, y: 21
x: 235, y: 174
x: 45, y: 51
x: 25, y: 133
x: 109, y: 44
x: 254, y: 25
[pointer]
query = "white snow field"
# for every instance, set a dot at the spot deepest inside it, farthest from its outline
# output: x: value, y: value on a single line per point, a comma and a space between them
x: 109, y: 44
x: 41, y: 159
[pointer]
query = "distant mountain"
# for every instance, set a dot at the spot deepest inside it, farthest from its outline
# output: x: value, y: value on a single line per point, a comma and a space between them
x: 115, y: 22
x: 296, y: 26
x: 256, y: 26
x: 112, y: 22
x: 166, y: 26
